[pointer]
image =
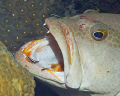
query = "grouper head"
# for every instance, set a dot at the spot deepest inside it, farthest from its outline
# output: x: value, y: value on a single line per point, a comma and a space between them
x: 80, y: 53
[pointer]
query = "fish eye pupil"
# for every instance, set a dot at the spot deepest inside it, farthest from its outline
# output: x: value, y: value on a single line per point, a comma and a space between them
x: 98, y: 35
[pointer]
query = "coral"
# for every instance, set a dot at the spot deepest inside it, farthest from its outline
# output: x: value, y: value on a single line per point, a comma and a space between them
x: 22, y: 20
x: 14, y: 79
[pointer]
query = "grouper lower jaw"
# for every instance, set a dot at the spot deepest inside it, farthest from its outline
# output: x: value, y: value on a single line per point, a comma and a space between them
x: 39, y: 58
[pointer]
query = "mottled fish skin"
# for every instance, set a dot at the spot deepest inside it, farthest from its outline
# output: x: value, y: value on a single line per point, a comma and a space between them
x: 14, y: 79
x: 90, y: 64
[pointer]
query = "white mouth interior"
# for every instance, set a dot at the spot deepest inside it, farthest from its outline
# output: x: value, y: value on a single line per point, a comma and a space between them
x: 48, y: 53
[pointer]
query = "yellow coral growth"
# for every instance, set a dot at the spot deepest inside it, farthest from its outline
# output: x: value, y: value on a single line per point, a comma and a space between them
x: 14, y: 79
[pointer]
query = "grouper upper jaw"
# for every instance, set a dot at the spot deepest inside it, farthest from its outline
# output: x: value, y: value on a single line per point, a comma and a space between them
x: 69, y: 49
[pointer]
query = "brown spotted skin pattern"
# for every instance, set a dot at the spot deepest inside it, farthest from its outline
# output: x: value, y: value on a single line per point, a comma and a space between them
x: 99, y: 60
x: 14, y: 79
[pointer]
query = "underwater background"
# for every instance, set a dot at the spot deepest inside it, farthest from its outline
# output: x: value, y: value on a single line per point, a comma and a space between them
x: 22, y: 21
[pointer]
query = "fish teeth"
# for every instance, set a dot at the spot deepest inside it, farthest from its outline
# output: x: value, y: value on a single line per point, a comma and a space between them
x: 48, y: 32
x: 44, y: 24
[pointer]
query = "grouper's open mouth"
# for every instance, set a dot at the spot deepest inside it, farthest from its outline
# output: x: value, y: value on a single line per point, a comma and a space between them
x: 47, y: 55
x: 44, y: 57
x: 54, y: 58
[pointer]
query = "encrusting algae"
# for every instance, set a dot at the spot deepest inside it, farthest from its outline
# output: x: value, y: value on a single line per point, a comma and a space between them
x: 14, y: 79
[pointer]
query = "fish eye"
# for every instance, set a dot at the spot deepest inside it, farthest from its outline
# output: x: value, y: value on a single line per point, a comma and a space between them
x: 99, y: 32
